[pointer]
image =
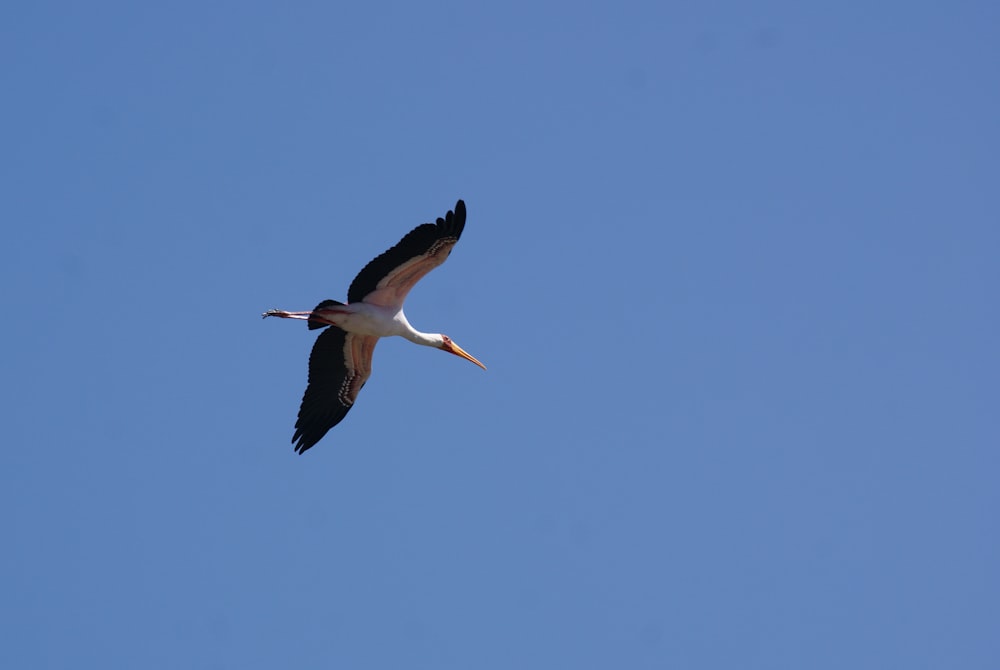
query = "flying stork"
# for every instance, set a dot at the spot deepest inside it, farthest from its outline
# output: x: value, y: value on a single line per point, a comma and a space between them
x: 341, y: 358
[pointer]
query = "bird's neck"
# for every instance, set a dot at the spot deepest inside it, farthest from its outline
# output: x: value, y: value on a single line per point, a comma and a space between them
x: 414, y: 335
x: 426, y: 339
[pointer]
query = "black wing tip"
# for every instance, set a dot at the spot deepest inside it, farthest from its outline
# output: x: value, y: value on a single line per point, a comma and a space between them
x: 458, y: 214
x: 453, y: 222
x: 308, y: 433
x: 303, y: 443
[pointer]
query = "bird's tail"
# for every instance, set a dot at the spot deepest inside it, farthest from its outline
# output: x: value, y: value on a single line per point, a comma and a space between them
x: 314, y: 324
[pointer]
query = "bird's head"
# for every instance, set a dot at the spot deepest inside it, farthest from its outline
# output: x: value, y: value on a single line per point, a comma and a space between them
x: 452, y: 348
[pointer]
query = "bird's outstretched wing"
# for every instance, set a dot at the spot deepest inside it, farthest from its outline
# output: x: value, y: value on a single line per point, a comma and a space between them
x: 387, y: 279
x: 339, y: 365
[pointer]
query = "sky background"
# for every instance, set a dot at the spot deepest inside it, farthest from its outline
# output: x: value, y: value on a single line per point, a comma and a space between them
x: 733, y: 268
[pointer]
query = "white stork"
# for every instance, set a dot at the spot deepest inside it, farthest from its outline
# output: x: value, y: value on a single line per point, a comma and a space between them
x: 341, y: 358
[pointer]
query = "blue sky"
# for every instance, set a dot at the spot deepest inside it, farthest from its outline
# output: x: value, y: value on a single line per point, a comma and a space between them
x: 733, y: 268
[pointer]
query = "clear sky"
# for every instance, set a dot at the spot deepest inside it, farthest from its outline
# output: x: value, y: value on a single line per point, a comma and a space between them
x: 733, y: 268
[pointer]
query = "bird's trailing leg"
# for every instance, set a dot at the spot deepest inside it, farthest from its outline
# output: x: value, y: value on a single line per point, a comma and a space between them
x: 286, y: 315
x: 316, y: 318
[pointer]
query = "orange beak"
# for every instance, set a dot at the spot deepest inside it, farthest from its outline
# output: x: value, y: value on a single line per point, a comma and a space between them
x: 453, y: 348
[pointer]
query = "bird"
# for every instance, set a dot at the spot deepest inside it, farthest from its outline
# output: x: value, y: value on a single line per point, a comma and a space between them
x: 341, y: 359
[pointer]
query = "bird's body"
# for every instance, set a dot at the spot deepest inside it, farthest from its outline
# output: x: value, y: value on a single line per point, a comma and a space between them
x: 340, y: 362
x: 363, y: 318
